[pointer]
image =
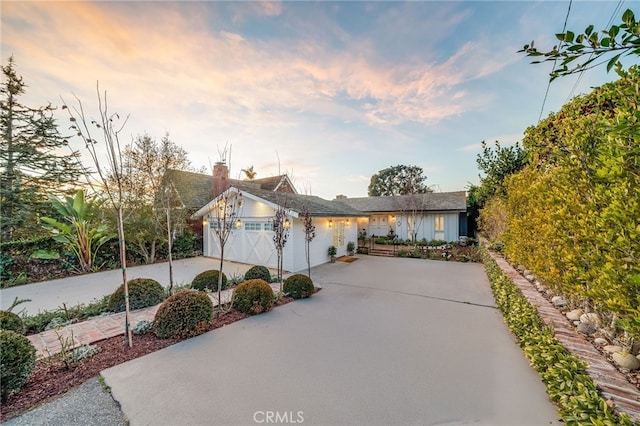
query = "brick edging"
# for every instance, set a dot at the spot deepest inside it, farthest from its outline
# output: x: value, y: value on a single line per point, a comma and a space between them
x: 613, y: 384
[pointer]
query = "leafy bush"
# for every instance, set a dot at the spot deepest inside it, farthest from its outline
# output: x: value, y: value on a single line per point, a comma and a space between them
x: 258, y: 272
x: 298, y: 286
x: 351, y: 247
x: 11, y: 321
x: 142, y: 327
x: 143, y: 292
x: 580, y: 195
x: 208, y: 280
x: 18, y: 358
x: 187, y: 313
x: 253, y: 297
x: 51, y: 319
x: 83, y: 352
x: 568, y: 384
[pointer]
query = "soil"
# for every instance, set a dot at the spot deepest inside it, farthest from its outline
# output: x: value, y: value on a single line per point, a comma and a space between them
x: 51, y: 378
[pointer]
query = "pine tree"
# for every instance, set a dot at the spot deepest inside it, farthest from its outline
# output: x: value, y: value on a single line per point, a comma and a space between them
x: 34, y: 160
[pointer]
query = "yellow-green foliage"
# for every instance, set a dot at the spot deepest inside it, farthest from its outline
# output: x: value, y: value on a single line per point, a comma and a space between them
x: 574, y: 211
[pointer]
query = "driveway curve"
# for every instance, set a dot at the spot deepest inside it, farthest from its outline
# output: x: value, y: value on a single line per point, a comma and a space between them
x: 387, y: 341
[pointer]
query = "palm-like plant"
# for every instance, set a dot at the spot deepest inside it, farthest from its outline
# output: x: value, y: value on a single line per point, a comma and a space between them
x: 77, y: 232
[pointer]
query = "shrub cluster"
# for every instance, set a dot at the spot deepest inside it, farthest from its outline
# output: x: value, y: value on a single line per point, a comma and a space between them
x: 18, y: 358
x: 298, y: 286
x: 568, y: 384
x: 12, y: 322
x: 208, y: 280
x: 253, y: 297
x: 258, y: 272
x: 185, y: 314
x: 143, y: 292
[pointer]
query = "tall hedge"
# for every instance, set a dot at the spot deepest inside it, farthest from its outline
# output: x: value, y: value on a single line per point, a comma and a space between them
x: 573, y: 212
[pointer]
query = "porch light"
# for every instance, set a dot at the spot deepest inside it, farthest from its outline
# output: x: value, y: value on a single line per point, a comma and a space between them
x: 330, y: 223
x: 287, y: 223
x: 346, y: 222
x: 238, y: 223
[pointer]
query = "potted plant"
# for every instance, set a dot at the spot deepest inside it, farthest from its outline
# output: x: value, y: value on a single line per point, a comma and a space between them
x: 332, y: 253
x: 351, y: 247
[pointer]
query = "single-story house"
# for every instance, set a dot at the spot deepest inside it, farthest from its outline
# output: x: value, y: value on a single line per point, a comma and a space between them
x: 337, y: 222
x: 430, y: 216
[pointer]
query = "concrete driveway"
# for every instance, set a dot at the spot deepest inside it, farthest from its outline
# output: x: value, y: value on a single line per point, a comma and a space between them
x: 387, y: 341
x: 51, y: 295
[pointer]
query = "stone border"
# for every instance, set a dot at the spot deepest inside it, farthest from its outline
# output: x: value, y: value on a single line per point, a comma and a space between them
x: 613, y: 385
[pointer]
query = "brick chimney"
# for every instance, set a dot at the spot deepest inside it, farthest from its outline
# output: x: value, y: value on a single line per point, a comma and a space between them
x: 220, y: 178
x: 341, y: 197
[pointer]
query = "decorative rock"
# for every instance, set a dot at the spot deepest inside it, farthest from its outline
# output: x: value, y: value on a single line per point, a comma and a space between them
x: 625, y: 360
x: 600, y: 341
x: 591, y: 317
x: 530, y: 277
x: 612, y: 348
x: 574, y: 315
x: 587, y: 328
x: 526, y: 272
x: 558, y: 301
x: 576, y: 323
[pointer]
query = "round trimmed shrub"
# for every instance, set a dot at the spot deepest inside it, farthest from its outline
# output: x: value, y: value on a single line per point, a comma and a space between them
x: 11, y: 321
x: 253, y: 297
x: 143, y: 292
x: 208, y: 280
x: 18, y: 358
x: 298, y: 286
x: 258, y: 272
x: 185, y: 314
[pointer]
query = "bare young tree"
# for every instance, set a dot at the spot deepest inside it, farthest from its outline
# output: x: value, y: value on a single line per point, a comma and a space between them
x: 281, y: 227
x: 309, y: 235
x: 109, y: 125
x: 224, y: 220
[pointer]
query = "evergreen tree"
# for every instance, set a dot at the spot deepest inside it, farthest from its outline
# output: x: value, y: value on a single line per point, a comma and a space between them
x: 34, y: 160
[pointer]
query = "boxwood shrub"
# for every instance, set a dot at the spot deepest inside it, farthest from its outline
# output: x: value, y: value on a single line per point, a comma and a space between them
x: 143, y: 292
x: 11, y: 321
x: 187, y: 313
x: 18, y: 358
x: 208, y: 280
x: 253, y: 297
x: 258, y: 272
x: 298, y: 286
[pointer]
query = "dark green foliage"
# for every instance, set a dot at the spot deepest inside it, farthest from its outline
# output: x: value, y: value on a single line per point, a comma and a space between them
x: 18, y: 358
x: 209, y: 280
x: 253, y: 297
x: 398, y: 180
x: 258, y: 272
x: 187, y: 313
x: 38, y: 323
x: 143, y: 292
x: 11, y: 321
x: 298, y: 286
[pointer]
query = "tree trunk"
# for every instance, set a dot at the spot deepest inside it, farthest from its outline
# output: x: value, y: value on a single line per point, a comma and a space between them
x: 170, y: 244
x: 123, y: 261
x: 220, y: 278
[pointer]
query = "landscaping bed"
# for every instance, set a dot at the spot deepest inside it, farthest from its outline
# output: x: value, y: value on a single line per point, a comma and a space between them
x: 50, y: 378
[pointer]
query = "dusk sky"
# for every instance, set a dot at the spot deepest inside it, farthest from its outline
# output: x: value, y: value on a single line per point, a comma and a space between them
x: 335, y: 90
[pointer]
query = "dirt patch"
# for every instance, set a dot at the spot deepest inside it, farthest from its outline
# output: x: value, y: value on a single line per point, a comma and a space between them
x: 50, y: 379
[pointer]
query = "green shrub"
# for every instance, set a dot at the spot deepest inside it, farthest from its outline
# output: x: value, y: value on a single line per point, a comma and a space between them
x: 258, y: 272
x: 253, y: 297
x: 12, y: 322
x: 143, y: 292
x: 208, y: 280
x: 187, y: 313
x: 298, y: 286
x: 18, y: 358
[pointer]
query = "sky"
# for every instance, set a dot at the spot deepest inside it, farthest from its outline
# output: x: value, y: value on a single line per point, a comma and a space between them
x: 328, y: 92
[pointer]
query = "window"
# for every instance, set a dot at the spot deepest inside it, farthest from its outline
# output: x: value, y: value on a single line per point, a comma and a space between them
x: 338, y: 234
x: 268, y: 226
x: 438, y: 227
x: 213, y: 224
x: 252, y: 226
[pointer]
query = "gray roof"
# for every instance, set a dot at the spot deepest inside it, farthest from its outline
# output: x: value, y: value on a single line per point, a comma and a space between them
x: 317, y: 206
x: 432, y: 201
